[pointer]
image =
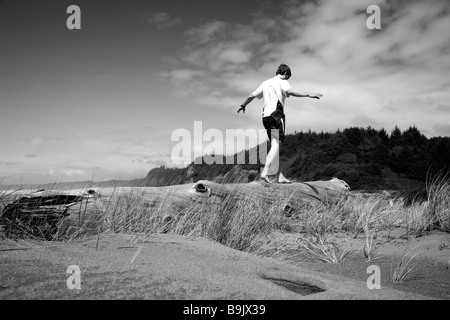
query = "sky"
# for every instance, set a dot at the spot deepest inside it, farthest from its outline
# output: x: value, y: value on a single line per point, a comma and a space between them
x: 102, y: 102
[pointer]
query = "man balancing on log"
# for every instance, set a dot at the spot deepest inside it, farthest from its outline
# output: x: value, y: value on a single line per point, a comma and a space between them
x: 275, y: 91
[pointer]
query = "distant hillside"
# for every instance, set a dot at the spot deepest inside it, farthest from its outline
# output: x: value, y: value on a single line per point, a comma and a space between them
x: 364, y: 157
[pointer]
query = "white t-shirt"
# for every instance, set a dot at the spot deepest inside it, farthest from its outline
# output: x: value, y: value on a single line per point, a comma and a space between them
x: 273, y: 90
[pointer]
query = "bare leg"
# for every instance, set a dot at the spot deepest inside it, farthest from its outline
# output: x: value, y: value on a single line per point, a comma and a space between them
x: 272, y: 169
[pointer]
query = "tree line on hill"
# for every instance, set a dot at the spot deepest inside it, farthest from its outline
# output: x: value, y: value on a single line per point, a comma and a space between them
x: 365, y: 158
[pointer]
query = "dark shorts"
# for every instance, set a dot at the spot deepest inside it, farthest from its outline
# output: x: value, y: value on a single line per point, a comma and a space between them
x: 271, y: 124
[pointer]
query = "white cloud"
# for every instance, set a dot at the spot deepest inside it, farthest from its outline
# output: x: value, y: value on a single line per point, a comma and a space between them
x: 181, y: 75
x: 205, y: 33
x: 37, y: 140
x: 442, y: 129
x: 235, y: 56
x: 8, y: 163
x: 69, y: 172
x: 163, y: 20
x: 147, y: 162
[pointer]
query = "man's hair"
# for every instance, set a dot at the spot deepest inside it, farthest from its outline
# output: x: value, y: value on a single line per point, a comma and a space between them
x: 283, y: 69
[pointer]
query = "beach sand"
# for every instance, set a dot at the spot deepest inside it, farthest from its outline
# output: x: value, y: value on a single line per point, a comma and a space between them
x: 165, y: 266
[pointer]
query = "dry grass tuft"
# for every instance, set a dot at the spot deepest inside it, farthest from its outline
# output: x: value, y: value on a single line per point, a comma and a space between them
x: 319, y: 247
x: 407, y: 266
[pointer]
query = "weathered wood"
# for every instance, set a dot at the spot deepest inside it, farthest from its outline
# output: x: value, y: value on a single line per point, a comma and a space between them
x: 39, y: 213
x: 172, y: 199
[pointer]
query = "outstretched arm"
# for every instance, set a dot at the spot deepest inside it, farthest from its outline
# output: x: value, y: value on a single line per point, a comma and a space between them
x: 300, y: 94
x: 246, y: 102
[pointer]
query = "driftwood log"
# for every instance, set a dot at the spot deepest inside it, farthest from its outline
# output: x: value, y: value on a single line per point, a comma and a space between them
x: 38, y: 214
x: 171, y: 200
x: 174, y: 198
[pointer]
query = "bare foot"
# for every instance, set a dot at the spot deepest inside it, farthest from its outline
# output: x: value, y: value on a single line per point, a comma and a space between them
x: 268, y: 179
x: 282, y: 179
